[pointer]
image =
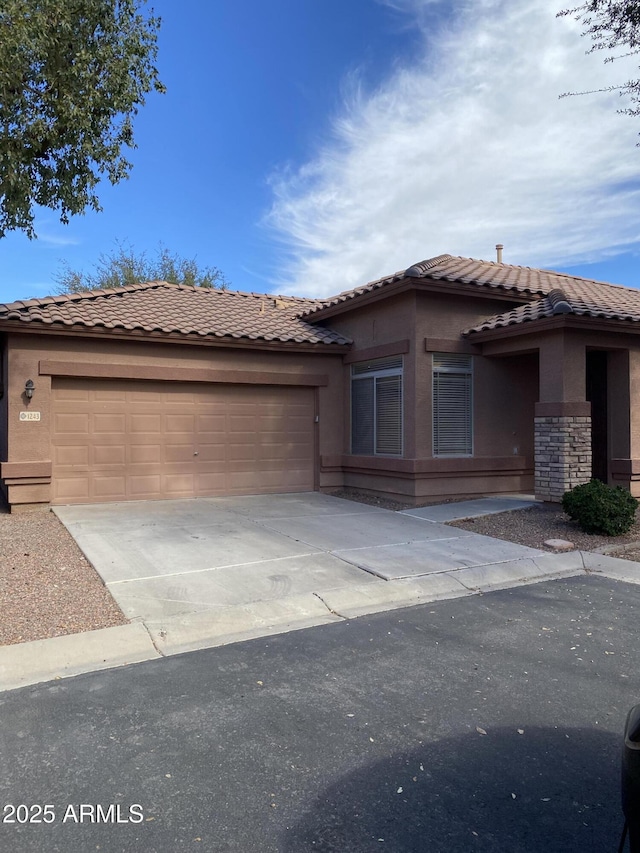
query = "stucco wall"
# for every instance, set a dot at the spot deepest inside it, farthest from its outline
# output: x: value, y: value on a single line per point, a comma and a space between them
x: 377, y: 326
x: 562, y: 384
x: 3, y: 408
x: 28, y: 449
x: 505, y: 392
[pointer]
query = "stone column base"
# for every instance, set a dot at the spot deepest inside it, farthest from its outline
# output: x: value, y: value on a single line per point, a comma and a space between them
x: 562, y: 455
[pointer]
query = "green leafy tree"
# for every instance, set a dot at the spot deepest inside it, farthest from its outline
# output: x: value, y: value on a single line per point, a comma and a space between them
x: 611, y: 25
x: 123, y: 266
x: 73, y: 74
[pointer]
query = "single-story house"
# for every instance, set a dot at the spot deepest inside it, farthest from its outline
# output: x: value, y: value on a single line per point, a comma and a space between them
x: 453, y: 377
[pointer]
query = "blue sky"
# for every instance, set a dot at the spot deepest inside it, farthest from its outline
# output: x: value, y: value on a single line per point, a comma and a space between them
x: 307, y: 146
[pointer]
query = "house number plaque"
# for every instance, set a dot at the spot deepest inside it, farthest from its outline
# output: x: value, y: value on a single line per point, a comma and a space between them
x: 29, y: 416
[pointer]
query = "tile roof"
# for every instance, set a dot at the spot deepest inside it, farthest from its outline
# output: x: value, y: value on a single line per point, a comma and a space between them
x: 172, y: 308
x: 347, y: 295
x: 547, y: 293
x: 500, y: 277
x: 580, y: 297
x: 497, y: 276
x: 209, y: 313
x: 452, y: 269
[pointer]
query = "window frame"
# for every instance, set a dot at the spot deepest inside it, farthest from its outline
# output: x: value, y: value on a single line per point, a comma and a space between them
x: 460, y: 365
x: 374, y: 369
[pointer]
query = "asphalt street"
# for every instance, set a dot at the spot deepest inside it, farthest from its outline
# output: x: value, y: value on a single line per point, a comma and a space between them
x: 488, y: 723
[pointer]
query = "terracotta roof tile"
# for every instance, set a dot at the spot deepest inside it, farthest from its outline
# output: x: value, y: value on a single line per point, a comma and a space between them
x: 499, y: 277
x: 171, y: 308
x: 579, y: 297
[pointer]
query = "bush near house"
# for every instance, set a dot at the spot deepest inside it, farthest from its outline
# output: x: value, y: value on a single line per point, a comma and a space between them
x: 601, y: 509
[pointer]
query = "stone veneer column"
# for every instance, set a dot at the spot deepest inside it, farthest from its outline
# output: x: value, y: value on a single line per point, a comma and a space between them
x: 562, y: 454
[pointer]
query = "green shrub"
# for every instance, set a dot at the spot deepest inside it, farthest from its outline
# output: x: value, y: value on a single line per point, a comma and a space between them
x: 600, y: 509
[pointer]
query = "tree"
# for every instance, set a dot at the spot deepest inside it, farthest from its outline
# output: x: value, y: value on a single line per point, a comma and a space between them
x: 73, y: 74
x: 612, y: 24
x: 123, y: 266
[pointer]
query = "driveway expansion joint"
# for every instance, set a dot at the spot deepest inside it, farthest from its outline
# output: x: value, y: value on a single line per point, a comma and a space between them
x: 271, y: 573
x: 333, y: 612
x: 151, y: 637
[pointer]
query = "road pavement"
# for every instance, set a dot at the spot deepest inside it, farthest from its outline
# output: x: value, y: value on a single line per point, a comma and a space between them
x: 486, y: 723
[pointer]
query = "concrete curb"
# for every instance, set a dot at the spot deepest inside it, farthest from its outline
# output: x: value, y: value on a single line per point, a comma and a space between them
x: 612, y: 567
x: 612, y: 550
x: 222, y: 625
x: 61, y: 657
x: 519, y: 572
x: 360, y: 600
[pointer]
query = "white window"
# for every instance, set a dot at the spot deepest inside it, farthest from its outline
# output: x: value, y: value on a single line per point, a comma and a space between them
x: 376, y: 407
x: 452, y: 404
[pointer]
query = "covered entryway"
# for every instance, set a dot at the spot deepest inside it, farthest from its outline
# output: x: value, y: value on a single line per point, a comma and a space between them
x: 596, y: 393
x: 122, y: 440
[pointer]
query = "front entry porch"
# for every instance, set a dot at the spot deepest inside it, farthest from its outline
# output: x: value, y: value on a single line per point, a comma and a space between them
x: 587, y: 418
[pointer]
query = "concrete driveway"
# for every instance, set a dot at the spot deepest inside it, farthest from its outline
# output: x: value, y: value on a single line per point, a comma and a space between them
x: 212, y: 570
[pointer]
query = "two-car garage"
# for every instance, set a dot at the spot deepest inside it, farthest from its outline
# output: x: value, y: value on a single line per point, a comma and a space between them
x: 119, y: 440
x: 158, y: 391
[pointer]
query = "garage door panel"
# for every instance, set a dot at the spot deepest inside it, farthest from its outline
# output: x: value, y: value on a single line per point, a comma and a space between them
x: 152, y: 392
x: 73, y: 395
x: 145, y: 424
x: 71, y: 423
x: 109, y: 423
x: 213, y: 424
x: 277, y: 454
x: 109, y: 454
x: 244, y: 417
x: 180, y: 424
x: 212, y: 452
x: 242, y: 481
x: 179, y: 485
x: 243, y: 454
x: 107, y: 488
x: 145, y: 453
x: 130, y: 440
x: 71, y: 455
x: 144, y: 487
x: 178, y: 452
x: 176, y: 397
x: 212, y: 483
x: 109, y: 394
x: 73, y: 490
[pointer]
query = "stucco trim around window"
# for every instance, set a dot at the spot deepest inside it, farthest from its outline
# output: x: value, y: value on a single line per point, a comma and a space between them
x: 380, y: 351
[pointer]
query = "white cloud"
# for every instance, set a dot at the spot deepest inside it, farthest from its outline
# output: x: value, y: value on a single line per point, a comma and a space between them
x: 52, y: 234
x: 466, y: 147
x: 49, y: 240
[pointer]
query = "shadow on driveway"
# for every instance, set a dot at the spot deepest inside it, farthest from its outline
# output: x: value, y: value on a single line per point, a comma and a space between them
x: 458, y: 795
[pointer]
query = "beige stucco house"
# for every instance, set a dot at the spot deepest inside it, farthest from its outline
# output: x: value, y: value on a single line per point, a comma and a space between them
x: 453, y: 377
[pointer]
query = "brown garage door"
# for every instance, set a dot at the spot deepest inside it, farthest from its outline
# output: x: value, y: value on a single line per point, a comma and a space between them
x: 123, y: 440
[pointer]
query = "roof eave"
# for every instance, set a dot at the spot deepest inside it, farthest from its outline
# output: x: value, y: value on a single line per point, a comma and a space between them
x: 544, y: 324
x: 431, y: 285
x: 382, y: 292
x: 97, y: 332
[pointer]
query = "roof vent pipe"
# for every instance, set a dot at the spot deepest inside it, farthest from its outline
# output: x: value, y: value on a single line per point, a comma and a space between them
x: 499, y: 248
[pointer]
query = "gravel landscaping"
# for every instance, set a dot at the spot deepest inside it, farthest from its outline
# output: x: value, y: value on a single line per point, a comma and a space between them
x: 547, y: 521
x: 48, y: 588
x: 525, y: 526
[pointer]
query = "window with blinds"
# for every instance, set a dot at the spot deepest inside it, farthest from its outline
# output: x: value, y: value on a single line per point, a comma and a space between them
x: 452, y: 404
x: 376, y: 407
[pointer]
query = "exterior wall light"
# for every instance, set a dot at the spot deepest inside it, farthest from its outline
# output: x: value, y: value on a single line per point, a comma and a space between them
x: 29, y: 388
